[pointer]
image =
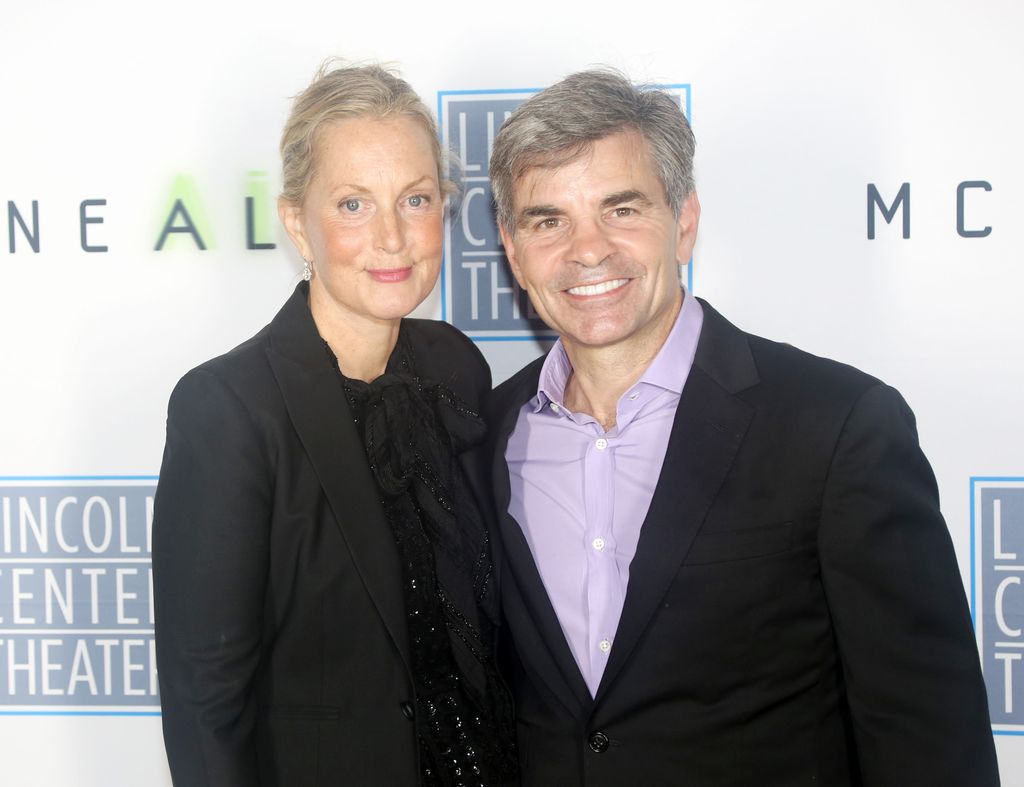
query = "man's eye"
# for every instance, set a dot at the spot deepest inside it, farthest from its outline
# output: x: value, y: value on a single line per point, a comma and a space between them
x: 623, y: 212
x: 548, y: 224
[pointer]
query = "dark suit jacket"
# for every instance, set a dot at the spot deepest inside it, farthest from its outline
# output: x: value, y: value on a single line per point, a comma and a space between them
x: 282, y: 645
x: 794, y: 614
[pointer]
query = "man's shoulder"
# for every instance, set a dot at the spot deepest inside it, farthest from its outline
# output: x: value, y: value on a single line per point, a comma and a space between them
x: 779, y: 361
x: 788, y: 370
x: 516, y: 390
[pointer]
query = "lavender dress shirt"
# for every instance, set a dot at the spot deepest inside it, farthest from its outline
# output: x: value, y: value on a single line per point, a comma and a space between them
x: 581, y: 494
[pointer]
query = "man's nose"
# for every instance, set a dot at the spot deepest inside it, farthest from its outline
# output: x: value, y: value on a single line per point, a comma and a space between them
x: 590, y: 244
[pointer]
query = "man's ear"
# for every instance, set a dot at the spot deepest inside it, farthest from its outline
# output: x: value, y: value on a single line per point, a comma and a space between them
x: 686, y: 227
x: 291, y: 218
x: 508, y: 241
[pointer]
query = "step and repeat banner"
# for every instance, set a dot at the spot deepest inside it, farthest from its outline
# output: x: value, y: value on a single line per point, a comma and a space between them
x: 862, y: 183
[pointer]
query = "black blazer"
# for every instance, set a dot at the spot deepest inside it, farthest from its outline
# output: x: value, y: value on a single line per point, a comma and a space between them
x: 281, y: 637
x: 794, y: 615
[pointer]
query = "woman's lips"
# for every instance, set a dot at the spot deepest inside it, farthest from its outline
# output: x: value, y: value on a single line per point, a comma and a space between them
x: 390, y: 274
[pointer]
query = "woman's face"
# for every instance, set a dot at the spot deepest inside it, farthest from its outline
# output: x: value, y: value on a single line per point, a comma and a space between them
x: 371, y: 220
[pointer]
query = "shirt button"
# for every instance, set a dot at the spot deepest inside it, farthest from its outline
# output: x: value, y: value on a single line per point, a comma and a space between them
x: 598, y: 544
x: 605, y: 645
x: 634, y: 396
x: 555, y: 408
x: 601, y: 444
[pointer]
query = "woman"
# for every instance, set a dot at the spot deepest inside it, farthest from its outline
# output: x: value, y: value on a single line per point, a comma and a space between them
x: 322, y: 576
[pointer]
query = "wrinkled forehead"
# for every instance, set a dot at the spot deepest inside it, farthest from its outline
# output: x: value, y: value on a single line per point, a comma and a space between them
x: 537, y: 170
x: 538, y: 163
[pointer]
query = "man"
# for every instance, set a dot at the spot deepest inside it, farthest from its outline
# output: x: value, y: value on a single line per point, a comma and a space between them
x: 723, y: 558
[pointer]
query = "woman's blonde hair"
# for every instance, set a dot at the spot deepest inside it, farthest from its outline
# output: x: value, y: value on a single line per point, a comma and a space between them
x: 338, y: 92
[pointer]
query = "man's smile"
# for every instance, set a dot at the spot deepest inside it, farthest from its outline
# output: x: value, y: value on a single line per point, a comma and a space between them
x: 597, y: 289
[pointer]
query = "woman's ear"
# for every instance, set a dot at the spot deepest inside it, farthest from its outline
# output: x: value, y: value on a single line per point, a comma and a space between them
x: 292, y: 219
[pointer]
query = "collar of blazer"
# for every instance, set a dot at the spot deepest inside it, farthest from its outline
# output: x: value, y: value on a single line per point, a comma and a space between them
x: 316, y: 404
x: 710, y: 424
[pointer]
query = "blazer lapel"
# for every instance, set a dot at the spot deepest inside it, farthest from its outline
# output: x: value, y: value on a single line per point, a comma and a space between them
x: 709, y: 427
x: 316, y: 404
x: 536, y: 630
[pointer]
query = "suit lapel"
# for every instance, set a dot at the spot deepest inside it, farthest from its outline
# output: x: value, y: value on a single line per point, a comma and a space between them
x: 709, y: 426
x: 534, y: 625
x: 316, y: 404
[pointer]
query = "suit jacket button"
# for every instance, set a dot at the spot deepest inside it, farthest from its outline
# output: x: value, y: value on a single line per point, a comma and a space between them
x: 407, y: 710
x: 598, y: 742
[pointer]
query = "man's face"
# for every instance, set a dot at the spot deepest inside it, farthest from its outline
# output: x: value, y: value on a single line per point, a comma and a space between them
x: 598, y: 249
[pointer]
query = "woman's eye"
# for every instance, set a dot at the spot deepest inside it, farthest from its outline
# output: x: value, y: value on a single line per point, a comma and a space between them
x: 416, y: 200
x: 352, y: 205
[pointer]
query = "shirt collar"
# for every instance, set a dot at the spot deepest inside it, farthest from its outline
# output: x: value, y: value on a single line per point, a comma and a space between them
x: 668, y: 370
x: 671, y: 366
x: 554, y: 374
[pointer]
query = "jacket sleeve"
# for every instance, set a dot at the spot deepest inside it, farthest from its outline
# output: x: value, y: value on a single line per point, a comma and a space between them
x: 210, y: 556
x: 901, y: 620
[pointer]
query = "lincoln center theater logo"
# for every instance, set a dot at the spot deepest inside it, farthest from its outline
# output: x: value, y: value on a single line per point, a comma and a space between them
x: 478, y: 293
x: 76, y: 596
x: 997, y: 595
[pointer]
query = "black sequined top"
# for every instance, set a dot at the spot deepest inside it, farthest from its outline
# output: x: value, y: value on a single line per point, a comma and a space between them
x: 412, y: 432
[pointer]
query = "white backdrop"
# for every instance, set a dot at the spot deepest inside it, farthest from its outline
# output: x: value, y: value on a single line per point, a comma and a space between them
x: 797, y: 107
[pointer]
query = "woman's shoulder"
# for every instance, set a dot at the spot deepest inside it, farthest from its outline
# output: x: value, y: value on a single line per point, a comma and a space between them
x: 446, y: 355
x: 240, y: 375
x: 245, y: 369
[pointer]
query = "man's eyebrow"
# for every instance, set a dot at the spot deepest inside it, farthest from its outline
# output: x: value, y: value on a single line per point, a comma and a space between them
x: 538, y: 212
x: 629, y: 195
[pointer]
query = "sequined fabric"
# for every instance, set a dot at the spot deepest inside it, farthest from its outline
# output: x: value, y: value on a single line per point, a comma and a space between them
x: 412, y: 432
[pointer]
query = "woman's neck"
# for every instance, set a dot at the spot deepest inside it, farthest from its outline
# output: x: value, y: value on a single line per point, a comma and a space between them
x: 361, y: 345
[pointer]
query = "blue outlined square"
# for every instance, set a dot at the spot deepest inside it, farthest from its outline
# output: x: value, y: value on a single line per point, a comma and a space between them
x: 997, y: 595
x: 76, y: 610
x: 479, y: 296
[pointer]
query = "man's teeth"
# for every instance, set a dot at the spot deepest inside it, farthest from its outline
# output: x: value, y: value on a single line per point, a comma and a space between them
x: 597, y: 289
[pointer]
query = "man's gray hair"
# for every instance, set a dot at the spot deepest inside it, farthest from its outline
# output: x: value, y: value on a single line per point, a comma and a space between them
x: 562, y: 122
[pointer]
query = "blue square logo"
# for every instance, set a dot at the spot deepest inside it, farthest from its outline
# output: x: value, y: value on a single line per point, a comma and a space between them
x: 997, y: 595
x: 76, y: 596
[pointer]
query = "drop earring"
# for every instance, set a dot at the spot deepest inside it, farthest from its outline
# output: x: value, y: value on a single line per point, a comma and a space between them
x: 307, y: 269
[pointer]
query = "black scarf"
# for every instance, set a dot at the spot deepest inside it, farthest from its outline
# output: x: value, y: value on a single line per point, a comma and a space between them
x: 413, y: 432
